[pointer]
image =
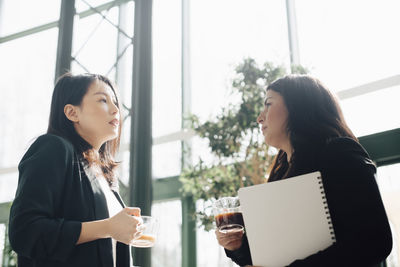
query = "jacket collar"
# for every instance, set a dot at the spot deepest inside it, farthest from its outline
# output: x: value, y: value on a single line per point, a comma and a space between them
x: 101, y: 212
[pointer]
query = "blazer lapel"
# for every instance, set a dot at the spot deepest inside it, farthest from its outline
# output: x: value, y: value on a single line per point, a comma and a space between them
x: 119, y: 198
x: 123, y: 251
x: 100, y: 202
x: 101, y: 212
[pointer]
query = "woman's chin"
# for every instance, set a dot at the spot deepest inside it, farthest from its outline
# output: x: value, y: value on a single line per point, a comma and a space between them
x: 111, y: 137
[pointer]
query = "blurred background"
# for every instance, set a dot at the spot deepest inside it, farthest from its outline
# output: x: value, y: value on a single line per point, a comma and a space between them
x: 188, y: 60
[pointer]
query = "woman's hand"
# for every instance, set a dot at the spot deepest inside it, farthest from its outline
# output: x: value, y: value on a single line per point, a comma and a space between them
x: 230, y: 240
x: 122, y: 226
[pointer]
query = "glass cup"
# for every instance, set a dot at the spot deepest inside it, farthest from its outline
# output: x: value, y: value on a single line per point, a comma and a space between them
x: 228, y: 216
x: 147, y: 232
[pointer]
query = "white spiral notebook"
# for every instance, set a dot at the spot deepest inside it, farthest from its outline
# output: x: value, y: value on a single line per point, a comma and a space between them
x: 286, y: 220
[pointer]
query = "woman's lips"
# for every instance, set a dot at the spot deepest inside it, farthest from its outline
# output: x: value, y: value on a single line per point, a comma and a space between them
x: 114, y: 122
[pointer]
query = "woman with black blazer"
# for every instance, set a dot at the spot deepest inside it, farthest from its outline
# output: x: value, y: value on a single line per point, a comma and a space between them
x: 67, y: 210
x: 304, y: 121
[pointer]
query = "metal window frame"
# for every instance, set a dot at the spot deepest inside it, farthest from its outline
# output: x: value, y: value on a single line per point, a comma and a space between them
x: 140, y: 163
x: 54, y: 24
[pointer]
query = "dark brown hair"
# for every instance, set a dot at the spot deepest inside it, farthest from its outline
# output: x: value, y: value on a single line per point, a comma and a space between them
x: 314, y: 117
x: 70, y: 89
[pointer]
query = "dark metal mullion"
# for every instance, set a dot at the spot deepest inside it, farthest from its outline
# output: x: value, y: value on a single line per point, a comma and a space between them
x: 140, y: 177
x: 189, y: 253
x: 292, y: 31
x: 383, y: 147
x: 65, y: 32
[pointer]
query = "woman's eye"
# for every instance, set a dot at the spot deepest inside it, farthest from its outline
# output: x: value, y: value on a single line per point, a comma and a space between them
x: 103, y: 100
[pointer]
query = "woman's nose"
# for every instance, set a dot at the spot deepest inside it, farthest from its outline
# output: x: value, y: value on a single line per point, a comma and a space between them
x: 114, y: 108
x: 260, y: 119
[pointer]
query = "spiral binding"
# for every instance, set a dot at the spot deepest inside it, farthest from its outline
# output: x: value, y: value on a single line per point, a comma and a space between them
x: 328, y: 215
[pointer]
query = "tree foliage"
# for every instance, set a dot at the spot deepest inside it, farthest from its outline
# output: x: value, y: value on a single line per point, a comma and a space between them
x: 235, y: 140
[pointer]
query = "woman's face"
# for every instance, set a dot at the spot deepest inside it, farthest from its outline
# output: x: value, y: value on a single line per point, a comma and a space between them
x: 98, y: 115
x: 273, y: 120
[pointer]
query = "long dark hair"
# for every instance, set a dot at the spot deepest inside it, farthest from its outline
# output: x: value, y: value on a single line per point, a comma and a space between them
x: 70, y: 89
x: 314, y: 117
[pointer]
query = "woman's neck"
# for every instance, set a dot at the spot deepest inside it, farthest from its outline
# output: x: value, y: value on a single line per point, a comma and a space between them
x: 288, y: 149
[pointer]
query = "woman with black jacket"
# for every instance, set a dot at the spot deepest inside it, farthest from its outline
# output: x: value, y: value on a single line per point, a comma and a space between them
x: 304, y: 121
x: 67, y: 210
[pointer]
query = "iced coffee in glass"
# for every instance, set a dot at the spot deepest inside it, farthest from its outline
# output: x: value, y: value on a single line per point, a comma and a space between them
x: 228, y: 216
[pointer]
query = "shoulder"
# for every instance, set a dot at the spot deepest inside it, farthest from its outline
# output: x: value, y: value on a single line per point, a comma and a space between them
x: 344, y: 152
x: 49, y: 147
x: 344, y: 146
x: 53, y: 139
x: 53, y: 142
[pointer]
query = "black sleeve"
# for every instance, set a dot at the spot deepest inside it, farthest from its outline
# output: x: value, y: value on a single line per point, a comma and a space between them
x: 35, y: 230
x: 242, y: 255
x: 359, y: 219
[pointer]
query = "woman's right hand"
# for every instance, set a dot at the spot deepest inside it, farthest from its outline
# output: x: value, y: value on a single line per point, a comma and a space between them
x: 123, y: 225
x: 230, y: 240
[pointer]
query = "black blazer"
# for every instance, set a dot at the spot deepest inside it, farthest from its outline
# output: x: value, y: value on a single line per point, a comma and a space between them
x: 56, y: 193
x: 363, y: 236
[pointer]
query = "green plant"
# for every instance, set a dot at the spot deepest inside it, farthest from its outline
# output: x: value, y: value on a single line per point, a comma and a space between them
x: 241, y: 155
x: 9, y: 255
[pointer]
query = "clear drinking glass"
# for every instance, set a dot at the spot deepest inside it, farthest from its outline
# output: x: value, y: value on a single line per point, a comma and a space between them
x: 228, y: 216
x: 147, y: 232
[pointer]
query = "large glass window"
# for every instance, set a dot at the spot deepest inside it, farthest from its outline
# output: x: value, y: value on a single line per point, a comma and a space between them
x: 166, y: 120
x: 389, y: 185
x: 222, y: 34
x: 167, y: 100
x: 373, y: 112
x: 29, y: 67
x: 167, y: 159
x: 167, y: 50
x: 2, y: 239
x: 95, y: 43
x: 102, y: 43
x: 19, y: 15
x: 167, y: 252
x: 225, y: 32
x: 349, y: 43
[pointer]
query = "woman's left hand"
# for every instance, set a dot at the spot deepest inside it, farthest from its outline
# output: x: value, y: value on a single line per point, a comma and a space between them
x: 230, y: 240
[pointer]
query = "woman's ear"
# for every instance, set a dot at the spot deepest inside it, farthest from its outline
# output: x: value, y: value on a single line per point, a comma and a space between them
x: 71, y: 113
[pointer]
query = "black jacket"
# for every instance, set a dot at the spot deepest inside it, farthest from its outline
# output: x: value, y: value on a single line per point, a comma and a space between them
x: 55, y: 195
x: 363, y: 236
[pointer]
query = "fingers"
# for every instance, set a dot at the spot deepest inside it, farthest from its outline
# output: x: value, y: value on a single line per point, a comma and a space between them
x: 134, y: 211
x: 230, y: 240
x: 229, y: 235
x: 234, y: 245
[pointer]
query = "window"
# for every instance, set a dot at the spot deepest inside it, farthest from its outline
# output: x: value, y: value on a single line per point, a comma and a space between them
x: 29, y: 66
x: 389, y: 185
x: 349, y: 43
x: 19, y: 15
x: 167, y: 252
